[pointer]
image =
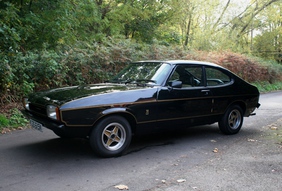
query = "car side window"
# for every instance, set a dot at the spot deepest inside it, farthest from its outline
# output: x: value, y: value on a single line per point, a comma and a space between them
x: 216, y: 77
x: 190, y: 76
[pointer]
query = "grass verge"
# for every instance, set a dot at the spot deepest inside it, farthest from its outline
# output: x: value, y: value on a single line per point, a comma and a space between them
x: 11, y: 120
x: 265, y: 87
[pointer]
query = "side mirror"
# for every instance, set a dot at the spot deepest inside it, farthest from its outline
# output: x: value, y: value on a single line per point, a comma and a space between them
x: 175, y: 84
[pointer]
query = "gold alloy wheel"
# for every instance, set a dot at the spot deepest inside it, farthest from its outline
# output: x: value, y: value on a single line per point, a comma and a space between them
x: 234, y: 119
x: 113, y: 136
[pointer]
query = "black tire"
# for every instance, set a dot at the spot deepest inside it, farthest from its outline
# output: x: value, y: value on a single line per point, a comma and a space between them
x: 232, y: 121
x: 111, y: 136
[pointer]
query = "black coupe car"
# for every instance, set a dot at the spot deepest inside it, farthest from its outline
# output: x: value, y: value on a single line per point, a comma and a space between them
x: 144, y: 95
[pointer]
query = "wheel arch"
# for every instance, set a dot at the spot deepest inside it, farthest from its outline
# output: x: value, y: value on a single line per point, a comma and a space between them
x: 119, y: 112
x: 241, y: 104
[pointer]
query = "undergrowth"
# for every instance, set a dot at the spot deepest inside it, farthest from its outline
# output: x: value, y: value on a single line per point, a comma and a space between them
x: 12, y: 119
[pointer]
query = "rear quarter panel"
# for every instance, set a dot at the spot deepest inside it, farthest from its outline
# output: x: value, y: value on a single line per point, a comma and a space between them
x: 238, y: 92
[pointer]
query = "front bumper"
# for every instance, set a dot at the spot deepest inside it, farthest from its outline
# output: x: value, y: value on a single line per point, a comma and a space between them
x: 58, y: 127
x: 48, y: 123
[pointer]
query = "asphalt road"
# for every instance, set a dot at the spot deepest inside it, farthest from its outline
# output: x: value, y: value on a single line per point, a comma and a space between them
x: 198, y: 158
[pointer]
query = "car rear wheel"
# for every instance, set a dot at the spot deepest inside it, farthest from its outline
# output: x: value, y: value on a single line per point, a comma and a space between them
x: 111, y: 136
x: 232, y: 120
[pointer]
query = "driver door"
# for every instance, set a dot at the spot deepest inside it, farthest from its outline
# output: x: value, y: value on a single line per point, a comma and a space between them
x: 189, y: 102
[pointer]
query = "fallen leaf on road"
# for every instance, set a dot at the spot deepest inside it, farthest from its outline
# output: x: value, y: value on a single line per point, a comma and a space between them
x: 273, y: 128
x: 251, y: 140
x: 215, y: 150
x: 5, y: 130
x: 213, y: 141
x: 121, y: 187
x: 181, y: 180
x: 20, y: 128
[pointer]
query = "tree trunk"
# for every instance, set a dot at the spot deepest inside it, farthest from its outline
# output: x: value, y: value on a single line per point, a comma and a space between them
x: 188, y: 31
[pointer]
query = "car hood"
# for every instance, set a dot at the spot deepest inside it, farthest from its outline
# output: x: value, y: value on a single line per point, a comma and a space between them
x: 60, y: 96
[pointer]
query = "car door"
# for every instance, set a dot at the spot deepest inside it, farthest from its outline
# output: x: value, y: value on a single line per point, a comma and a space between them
x: 190, y: 101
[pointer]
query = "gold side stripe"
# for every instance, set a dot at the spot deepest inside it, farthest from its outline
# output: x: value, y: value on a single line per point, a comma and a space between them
x: 179, y: 118
x: 153, y: 121
x: 124, y: 104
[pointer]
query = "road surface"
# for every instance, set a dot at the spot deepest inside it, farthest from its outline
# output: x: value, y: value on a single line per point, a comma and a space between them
x: 198, y: 158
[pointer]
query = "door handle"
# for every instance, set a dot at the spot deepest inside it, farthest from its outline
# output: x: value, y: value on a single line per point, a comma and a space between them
x: 205, y: 92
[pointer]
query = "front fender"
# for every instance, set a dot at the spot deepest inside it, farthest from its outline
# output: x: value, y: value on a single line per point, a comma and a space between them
x: 89, y: 116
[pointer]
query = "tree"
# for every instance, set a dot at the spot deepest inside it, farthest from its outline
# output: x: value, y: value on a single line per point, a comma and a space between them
x: 245, y: 22
x: 268, y: 43
x: 12, y: 30
x: 139, y: 20
x: 195, y: 24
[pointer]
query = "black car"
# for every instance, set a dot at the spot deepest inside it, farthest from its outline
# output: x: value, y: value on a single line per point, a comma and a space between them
x: 144, y: 95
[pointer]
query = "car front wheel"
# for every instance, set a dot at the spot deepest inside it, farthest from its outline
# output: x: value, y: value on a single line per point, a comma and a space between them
x: 111, y: 136
x: 232, y: 120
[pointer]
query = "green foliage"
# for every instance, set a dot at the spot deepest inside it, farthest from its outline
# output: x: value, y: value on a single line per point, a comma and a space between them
x: 17, y: 119
x: 10, y: 28
x: 53, y: 25
x: 264, y: 45
x: 265, y: 86
x: 14, y: 73
x: 14, y: 119
x: 3, y: 121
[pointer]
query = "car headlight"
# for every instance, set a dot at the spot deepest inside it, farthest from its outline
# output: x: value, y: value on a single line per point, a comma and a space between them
x: 26, y: 103
x: 53, y: 112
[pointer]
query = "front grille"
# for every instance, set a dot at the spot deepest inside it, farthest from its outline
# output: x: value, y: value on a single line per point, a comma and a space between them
x: 37, y: 109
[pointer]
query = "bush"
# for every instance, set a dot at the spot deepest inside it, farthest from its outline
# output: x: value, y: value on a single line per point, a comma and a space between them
x: 4, y: 122
x: 17, y: 119
x: 249, y: 68
x: 13, y: 120
x: 267, y: 86
x: 86, y: 62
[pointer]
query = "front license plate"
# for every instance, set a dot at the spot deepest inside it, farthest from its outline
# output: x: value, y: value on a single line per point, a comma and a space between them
x: 36, y: 125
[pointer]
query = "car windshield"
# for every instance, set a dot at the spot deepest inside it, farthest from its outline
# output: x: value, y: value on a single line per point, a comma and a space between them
x: 147, y: 72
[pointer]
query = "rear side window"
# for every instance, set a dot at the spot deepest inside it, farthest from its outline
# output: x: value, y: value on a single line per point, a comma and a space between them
x: 216, y: 77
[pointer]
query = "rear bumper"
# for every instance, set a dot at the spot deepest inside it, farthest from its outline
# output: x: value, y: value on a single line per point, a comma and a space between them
x: 258, y: 105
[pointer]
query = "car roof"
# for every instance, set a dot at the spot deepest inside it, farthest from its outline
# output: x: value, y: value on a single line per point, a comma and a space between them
x: 173, y: 62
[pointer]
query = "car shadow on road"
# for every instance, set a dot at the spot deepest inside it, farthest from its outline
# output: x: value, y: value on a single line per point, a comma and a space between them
x: 186, y: 136
x: 175, y: 136
x: 58, y: 148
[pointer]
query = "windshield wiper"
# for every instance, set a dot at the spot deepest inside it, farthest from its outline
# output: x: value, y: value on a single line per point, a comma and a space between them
x: 146, y: 80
